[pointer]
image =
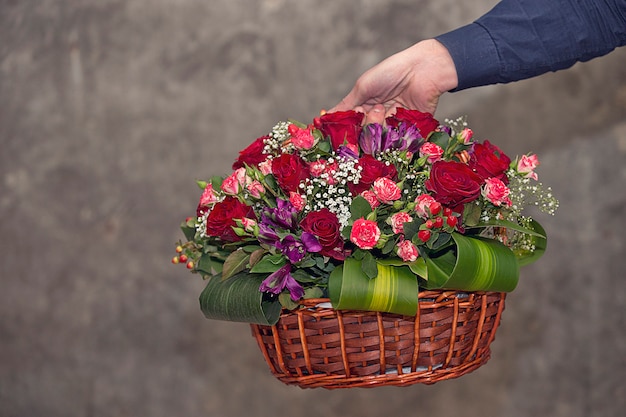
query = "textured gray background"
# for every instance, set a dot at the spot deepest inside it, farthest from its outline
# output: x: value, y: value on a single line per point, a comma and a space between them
x: 110, y: 109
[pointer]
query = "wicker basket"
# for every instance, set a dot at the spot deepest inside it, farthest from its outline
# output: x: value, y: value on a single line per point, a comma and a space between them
x: 317, y: 346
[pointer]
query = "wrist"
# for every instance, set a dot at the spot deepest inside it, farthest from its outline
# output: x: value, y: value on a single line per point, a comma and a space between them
x: 441, y: 65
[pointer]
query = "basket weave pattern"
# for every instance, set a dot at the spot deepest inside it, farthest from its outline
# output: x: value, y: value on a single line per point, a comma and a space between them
x: 321, y: 347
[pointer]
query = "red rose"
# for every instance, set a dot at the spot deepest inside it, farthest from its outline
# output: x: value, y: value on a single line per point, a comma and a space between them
x: 425, y: 122
x: 289, y: 170
x: 453, y: 183
x: 371, y: 170
x: 341, y: 126
x: 252, y: 155
x: 489, y: 161
x: 221, y: 219
x: 325, y: 226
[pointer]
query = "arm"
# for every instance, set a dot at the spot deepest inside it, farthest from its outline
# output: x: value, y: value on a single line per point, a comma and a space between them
x: 517, y: 39
x: 520, y: 39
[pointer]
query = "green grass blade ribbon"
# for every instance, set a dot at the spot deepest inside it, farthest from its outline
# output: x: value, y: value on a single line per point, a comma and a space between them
x: 239, y: 299
x: 479, y: 265
x: 394, y: 290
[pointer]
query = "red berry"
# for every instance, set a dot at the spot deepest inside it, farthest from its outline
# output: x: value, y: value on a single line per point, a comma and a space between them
x: 429, y: 224
x: 447, y: 212
x: 183, y: 258
x: 438, y: 222
x: 452, y: 221
x: 190, y: 265
x: 175, y: 260
x: 424, y: 235
x: 179, y: 249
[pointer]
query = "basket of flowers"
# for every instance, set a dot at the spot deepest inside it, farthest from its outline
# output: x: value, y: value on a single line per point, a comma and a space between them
x: 367, y: 255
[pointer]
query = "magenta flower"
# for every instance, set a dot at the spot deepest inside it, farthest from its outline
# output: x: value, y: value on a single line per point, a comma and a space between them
x: 281, y: 279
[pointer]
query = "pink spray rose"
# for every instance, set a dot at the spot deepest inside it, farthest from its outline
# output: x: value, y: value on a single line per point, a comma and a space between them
x: 496, y: 192
x: 432, y: 151
x: 527, y: 164
x: 407, y: 251
x: 365, y: 233
x: 386, y: 190
x: 423, y: 202
x: 397, y: 221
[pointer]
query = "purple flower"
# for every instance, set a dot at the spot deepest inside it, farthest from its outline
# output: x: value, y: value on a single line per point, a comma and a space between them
x: 283, y: 216
x: 346, y: 152
x: 310, y: 242
x: 371, y: 138
x: 281, y: 279
x: 293, y: 249
x: 408, y: 138
x: 267, y: 235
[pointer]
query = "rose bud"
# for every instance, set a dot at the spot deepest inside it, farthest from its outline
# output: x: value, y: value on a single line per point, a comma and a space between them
x: 424, y: 235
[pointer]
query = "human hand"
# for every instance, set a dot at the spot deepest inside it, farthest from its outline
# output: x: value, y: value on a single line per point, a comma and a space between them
x: 413, y: 79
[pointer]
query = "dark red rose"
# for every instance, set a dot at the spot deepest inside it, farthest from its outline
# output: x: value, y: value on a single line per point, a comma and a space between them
x: 489, y: 161
x: 252, y: 155
x: 221, y: 219
x: 341, y: 126
x: 453, y: 183
x: 324, y: 225
x: 371, y: 170
x: 425, y: 122
x: 289, y: 170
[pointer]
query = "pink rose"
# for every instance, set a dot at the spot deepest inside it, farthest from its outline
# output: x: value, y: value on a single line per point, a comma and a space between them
x: 371, y: 198
x: 423, y: 202
x: 296, y: 200
x: 527, y: 164
x: 386, y: 190
x: 301, y: 138
x: 255, y: 188
x: 407, y: 251
x: 248, y: 224
x: 496, y: 192
x: 365, y: 233
x: 234, y: 183
x: 432, y: 151
x: 466, y: 136
x: 397, y: 221
x: 266, y: 167
x: 207, y: 200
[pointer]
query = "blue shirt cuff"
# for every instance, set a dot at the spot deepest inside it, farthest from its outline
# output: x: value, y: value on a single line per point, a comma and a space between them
x: 474, y: 54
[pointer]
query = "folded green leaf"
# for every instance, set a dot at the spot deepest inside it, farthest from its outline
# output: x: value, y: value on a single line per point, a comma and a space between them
x: 239, y: 299
x: 394, y: 290
x: 478, y: 265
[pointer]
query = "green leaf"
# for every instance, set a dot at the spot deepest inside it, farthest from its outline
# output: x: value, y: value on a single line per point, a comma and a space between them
x: 471, y: 214
x: 256, y: 256
x: 269, y: 264
x: 313, y: 292
x: 239, y: 299
x: 440, y: 138
x: 394, y: 290
x: 188, y: 231
x: 236, y: 262
x: 411, y: 228
x: 205, y: 265
x: 478, y: 264
x: 369, y: 266
x: 360, y: 208
x: 285, y: 300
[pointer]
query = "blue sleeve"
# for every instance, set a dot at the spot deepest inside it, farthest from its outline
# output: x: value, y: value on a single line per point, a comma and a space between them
x: 520, y: 39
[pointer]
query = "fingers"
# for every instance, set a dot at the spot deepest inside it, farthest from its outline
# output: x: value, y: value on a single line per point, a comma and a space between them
x: 376, y: 114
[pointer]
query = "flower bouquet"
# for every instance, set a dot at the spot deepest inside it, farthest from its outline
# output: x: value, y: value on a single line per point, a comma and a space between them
x: 367, y: 254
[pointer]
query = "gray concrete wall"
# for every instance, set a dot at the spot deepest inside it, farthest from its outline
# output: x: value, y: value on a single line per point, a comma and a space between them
x: 110, y: 109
